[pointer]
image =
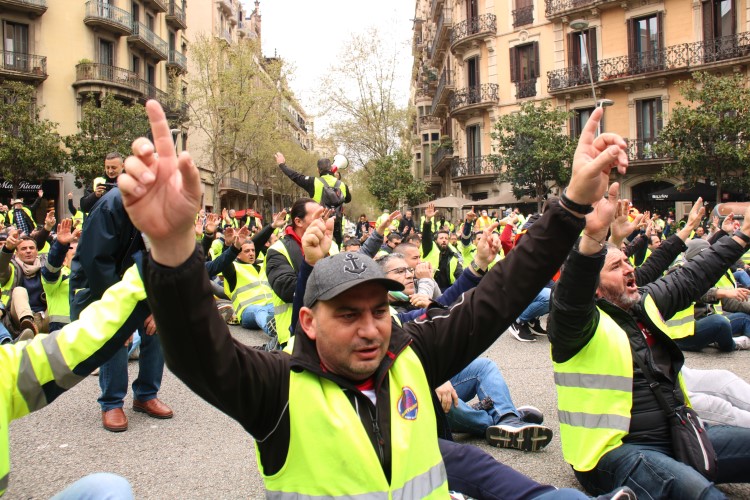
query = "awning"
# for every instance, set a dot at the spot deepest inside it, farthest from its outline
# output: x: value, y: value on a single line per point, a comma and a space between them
x: 499, y: 200
x: 685, y: 193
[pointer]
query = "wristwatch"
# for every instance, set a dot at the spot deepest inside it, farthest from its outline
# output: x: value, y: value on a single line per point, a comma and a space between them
x: 742, y: 236
x: 475, y: 267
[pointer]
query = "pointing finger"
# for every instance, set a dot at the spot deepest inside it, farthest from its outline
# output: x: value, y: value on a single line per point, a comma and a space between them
x: 160, y: 130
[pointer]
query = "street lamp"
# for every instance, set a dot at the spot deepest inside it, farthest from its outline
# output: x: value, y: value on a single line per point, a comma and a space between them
x: 580, y: 25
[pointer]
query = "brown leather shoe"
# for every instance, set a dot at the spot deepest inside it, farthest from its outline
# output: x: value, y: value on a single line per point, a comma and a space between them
x: 115, y: 420
x: 28, y: 323
x: 153, y: 408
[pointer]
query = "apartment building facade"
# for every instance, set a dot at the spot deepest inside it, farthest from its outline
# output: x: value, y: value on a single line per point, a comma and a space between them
x: 232, y: 22
x: 79, y: 49
x: 476, y: 60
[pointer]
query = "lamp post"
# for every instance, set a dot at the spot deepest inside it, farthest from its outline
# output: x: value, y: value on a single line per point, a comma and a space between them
x: 580, y: 25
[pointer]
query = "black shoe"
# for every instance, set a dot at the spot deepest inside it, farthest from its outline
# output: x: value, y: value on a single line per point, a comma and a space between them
x: 530, y: 414
x: 623, y: 493
x: 522, y: 332
x: 536, y: 327
x: 514, y: 433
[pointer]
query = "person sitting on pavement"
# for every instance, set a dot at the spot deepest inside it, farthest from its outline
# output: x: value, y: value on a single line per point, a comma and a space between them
x: 55, y: 274
x: 444, y: 261
x: 613, y: 427
x: 341, y: 415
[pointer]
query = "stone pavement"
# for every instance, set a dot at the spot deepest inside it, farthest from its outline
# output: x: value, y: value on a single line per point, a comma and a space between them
x: 201, y: 453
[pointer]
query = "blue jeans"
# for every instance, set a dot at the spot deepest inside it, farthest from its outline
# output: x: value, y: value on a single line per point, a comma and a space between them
x: 99, y: 486
x: 709, y: 329
x: 740, y: 323
x: 652, y: 472
x: 473, y: 472
x: 257, y: 316
x: 5, y: 335
x: 538, y: 307
x: 113, y: 375
x: 480, y: 378
x: 742, y: 277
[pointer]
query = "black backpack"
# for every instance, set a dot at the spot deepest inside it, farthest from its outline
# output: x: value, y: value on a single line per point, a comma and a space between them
x: 332, y: 196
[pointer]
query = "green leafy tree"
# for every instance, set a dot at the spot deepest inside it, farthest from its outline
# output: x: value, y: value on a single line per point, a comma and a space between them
x: 390, y: 182
x: 30, y: 147
x: 533, y: 150
x: 106, y: 125
x: 707, y: 135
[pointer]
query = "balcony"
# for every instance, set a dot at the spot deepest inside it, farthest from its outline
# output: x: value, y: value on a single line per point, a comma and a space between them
x: 177, y: 61
x: 555, y: 9
x: 108, y: 17
x: 526, y: 88
x: 435, y: 8
x: 441, y: 39
x: 145, y: 39
x: 176, y: 15
x: 25, y: 67
x: 670, y: 60
x: 467, y: 33
x: 643, y: 151
x: 226, y: 6
x: 442, y: 159
x: 477, y: 169
x: 471, y: 101
x: 442, y: 94
x: 225, y: 35
x: 429, y: 122
x: 33, y: 8
x: 157, y: 5
x: 523, y: 16
x: 95, y: 77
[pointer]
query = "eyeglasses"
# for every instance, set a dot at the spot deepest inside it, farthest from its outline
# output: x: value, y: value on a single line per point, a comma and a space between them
x: 401, y: 270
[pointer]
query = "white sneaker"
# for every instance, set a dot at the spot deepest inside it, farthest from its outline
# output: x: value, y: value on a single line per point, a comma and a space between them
x: 741, y: 343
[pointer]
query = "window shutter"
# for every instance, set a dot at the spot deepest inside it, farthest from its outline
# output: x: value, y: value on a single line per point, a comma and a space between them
x: 659, y: 120
x: 639, y: 119
x: 572, y: 50
x: 513, y: 64
x: 708, y: 21
x: 592, y: 46
x: 535, y: 66
x: 631, y: 38
x: 660, y: 29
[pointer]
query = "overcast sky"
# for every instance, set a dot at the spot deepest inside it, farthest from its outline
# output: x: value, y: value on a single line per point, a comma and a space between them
x: 311, y: 34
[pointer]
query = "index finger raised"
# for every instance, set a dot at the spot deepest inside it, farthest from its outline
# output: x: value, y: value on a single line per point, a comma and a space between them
x: 160, y: 130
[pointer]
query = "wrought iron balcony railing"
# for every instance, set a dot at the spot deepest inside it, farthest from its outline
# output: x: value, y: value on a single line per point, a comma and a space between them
x: 555, y: 8
x: 441, y: 158
x: 526, y: 88
x: 150, y: 39
x: 485, y: 23
x: 477, y: 165
x: 108, y: 74
x: 446, y: 80
x: 29, y: 65
x: 178, y: 59
x: 523, y: 16
x: 176, y: 14
x: 643, y: 150
x: 675, y: 57
x: 487, y: 92
x: 109, y: 14
x: 34, y: 7
x: 429, y: 121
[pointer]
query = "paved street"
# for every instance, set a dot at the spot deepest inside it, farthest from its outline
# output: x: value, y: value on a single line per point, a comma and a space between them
x: 201, y: 453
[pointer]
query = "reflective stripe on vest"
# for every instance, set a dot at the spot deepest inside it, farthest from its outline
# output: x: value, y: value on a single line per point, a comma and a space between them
x: 434, y: 258
x: 282, y: 311
x: 394, y: 315
x: 8, y: 286
x: 58, y: 296
x: 331, y: 456
x: 679, y: 326
x: 251, y: 288
x: 725, y: 282
x: 318, y: 187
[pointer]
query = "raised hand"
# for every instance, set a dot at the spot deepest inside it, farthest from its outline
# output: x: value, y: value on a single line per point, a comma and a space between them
x: 12, y: 242
x: 694, y: 220
x: 64, y: 232
x: 487, y: 246
x: 50, y: 220
x: 622, y: 225
x: 593, y: 160
x: 423, y: 270
x: 279, y: 220
x: 430, y: 212
x: 471, y: 216
x: 316, y: 242
x: 241, y: 236
x: 162, y: 192
x: 728, y: 225
x: 229, y: 236
x: 599, y: 221
x: 70, y: 196
x: 212, y: 222
x: 279, y: 158
x: 388, y: 221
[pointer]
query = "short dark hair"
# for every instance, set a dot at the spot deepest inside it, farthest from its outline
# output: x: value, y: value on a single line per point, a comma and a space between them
x: 324, y: 165
x: 113, y: 156
x: 413, y: 237
x: 394, y: 236
x: 298, y: 208
x: 405, y: 246
x: 352, y: 242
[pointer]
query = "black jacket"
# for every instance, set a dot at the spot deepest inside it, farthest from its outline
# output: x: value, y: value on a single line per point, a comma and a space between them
x: 282, y: 277
x: 574, y: 318
x: 252, y: 386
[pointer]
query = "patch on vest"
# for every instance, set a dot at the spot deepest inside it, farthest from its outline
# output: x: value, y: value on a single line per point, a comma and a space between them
x: 408, y: 406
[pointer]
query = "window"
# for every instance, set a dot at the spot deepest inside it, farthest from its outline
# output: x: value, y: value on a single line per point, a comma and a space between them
x: 16, y: 46
x: 151, y: 74
x: 473, y: 150
x: 150, y: 22
x: 719, y: 28
x: 523, y: 13
x: 645, y: 43
x: 106, y: 53
x: 581, y: 53
x: 649, y: 123
x: 136, y: 65
x: 524, y: 68
x: 578, y: 121
x: 135, y: 11
x: 472, y: 81
x: 426, y: 158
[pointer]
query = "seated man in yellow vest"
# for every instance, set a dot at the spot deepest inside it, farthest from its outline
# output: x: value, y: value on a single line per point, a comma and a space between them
x: 21, y: 216
x: 349, y: 412
x: 55, y: 274
x: 617, y: 371
x: 438, y: 252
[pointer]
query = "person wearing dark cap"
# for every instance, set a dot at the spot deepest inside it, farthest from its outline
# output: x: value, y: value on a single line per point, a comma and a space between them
x: 315, y: 187
x: 350, y: 411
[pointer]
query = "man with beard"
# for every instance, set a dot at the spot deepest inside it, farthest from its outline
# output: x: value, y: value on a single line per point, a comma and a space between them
x: 438, y: 253
x: 603, y: 328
